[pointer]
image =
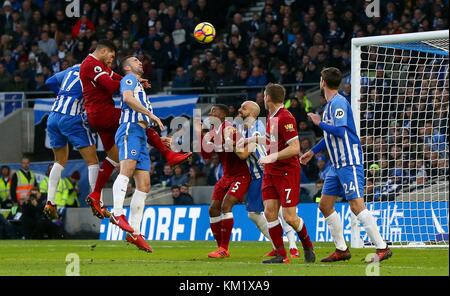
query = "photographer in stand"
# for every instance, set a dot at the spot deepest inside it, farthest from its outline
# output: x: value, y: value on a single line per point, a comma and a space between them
x: 35, y: 225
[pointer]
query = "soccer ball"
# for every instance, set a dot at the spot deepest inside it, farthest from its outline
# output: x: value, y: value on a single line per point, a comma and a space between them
x: 204, y: 33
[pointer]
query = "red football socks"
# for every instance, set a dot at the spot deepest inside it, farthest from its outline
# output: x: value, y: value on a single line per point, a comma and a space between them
x: 154, y: 139
x: 276, y: 234
x: 304, y: 238
x: 227, y: 227
x: 103, y: 176
x: 216, y: 229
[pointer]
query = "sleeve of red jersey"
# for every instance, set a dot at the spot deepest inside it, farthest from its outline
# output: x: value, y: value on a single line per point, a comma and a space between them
x: 116, y: 76
x: 287, y: 129
x: 107, y: 82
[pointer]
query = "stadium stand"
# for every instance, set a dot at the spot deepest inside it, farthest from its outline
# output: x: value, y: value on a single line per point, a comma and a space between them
x: 287, y: 42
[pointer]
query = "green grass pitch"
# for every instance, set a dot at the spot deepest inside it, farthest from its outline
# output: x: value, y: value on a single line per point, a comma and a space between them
x: 189, y: 258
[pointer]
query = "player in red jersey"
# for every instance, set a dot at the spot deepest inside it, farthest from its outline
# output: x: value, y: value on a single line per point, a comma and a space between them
x: 281, y: 180
x: 99, y: 84
x: 232, y: 187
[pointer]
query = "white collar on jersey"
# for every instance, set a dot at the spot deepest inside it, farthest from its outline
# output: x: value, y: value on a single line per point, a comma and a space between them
x: 276, y: 111
x: 93, y: 56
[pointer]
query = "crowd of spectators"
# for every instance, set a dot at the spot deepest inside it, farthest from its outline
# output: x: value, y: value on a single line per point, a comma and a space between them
x: 287, y: 42
x: 404, y: 125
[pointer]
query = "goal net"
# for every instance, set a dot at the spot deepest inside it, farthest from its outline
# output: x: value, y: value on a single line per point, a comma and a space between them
x: 400, y: 100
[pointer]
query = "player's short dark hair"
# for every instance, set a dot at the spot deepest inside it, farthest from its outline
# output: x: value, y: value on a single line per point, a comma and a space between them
x: 124, y: 61
x: 223, y: 108
x: 105, y: 43
x: 332, y: 77
x: 276, y: 92
x: 174, y: 187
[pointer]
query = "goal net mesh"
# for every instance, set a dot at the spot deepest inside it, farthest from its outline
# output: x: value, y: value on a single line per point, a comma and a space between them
x: 404, y: 104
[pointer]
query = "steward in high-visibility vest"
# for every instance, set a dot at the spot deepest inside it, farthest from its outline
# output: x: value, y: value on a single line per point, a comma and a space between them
x: 5, y: 187
x: 72, y: 197
x: 22, y: 182
x: 5, y: 184
x: 43, y: 185
x: 67, y: 191
x: 62, y: 193
x: 304, y: 101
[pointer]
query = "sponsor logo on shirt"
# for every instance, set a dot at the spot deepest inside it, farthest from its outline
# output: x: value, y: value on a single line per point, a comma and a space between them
x: 289, y: 127
x: 339, y: 113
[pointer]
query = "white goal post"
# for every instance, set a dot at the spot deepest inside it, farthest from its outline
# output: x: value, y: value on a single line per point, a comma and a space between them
x: 400, y: 101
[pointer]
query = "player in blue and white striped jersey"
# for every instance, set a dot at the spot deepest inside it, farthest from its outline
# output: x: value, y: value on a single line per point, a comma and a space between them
x: 346, y: 177
x: 252, y: 127
x: 66, y: 123
x: 131, y: 139
x: 68, y: 87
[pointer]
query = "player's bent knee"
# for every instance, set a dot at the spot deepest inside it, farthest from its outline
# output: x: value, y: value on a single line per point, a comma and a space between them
x: 357, y: 206
x: 324, y: 209
x: 253, y: 215
x: 226, y: 207
x: 214, y: 211
x: 127, y: 167
x: 271, y: 215
x: 61, y: 162
x: 144, y: 188
x: 290, y: 219
x: 89, y: 155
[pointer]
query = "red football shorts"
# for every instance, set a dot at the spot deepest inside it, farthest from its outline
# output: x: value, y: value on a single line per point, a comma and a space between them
x: 105, y: 123
x: 286, y: 188
x: 234, y: 186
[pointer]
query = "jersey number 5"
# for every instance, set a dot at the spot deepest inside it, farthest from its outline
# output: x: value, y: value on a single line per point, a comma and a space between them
x: 235, y: 187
